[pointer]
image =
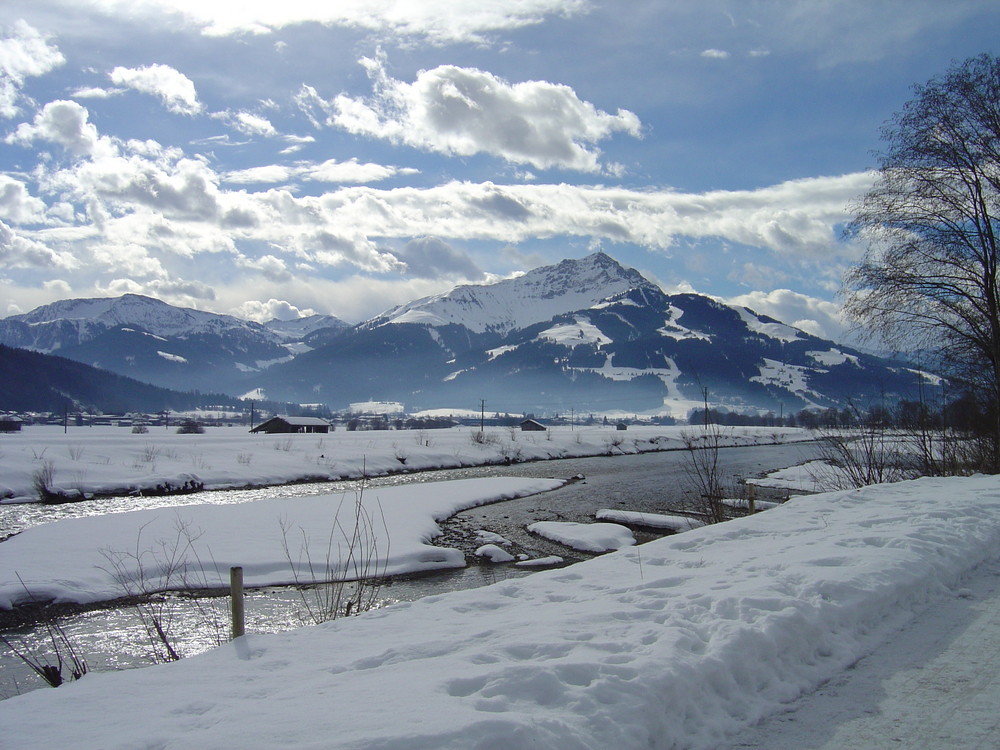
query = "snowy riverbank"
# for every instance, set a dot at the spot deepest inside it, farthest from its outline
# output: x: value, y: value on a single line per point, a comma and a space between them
x: 113, y: 459
x: 677, y: 643
x: 276, y: 541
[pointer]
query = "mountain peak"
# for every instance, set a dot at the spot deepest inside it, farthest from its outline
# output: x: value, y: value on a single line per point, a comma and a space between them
x: 538, y: 295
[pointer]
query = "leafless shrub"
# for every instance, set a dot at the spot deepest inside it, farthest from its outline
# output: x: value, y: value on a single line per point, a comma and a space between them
x: 64, y: 654
x: 43, y: 478
x: 347, y: 578
x: 143, y: 574
x: 705, y: 476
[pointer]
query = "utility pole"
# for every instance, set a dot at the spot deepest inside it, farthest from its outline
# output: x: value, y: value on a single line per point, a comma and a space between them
x: 704, y: 392
x: 482, y: 414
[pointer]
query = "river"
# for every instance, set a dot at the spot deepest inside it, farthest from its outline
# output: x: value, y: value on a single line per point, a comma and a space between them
x: 113, y: 638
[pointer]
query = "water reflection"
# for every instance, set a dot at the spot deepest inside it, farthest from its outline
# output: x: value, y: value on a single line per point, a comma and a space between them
x: 113, y: 639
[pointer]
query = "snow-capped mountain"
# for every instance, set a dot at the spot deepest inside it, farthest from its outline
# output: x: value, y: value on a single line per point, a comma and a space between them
x: 629, y: 347
x: 519, y: 302
x: 585, y: 334
x: 301, y: 328
x: 149, y: 340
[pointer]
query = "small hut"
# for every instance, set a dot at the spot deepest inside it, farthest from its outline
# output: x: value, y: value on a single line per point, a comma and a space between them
x: 530, y: 425
x: 285, y: 425
x: 10, y: 424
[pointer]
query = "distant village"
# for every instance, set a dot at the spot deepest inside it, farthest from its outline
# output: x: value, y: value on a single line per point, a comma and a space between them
x: 311, y: 419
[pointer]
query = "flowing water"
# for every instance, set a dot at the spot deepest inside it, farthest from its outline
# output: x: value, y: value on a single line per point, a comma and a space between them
x: 113, y: 638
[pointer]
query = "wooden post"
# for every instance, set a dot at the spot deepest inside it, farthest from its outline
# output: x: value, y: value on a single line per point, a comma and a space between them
x: 236, y: 594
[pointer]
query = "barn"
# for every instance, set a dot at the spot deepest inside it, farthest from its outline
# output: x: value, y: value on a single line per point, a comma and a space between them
x: 284, y: 425
x: 530, y: 425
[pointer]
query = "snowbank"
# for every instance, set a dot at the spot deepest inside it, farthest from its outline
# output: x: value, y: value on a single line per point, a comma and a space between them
x: 677, y: 643
x: 587, y: 537
x: 112, y: 459
x: 276, y: 541
x: 670, y: 521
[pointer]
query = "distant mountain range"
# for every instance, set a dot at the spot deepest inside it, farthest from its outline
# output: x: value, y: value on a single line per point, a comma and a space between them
x: 584, y: 335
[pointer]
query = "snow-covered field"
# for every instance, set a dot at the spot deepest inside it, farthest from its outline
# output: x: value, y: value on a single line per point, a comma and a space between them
x: 113, y: 459
x: 677, y: 643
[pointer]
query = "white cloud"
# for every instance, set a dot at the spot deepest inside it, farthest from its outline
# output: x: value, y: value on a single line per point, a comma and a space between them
x: 818, y: 317
x: 248, y: 123
x: 20, y: 252
x: 24, y: 52
x: 273, y: 309
x: 16, y: 204
x: 175, y: 90
x: 350, y: 171
x: 465, y: 111
x: 61, y: 122
x: 354, y: 171
x: 272, y: 268
x: 437, y: 22
x: 270, y: 174
x: 715, y: 54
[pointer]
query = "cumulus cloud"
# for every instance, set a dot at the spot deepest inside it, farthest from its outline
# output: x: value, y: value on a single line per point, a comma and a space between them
x: 16, y: 204
x: 465, y: 111
x: 271, y: 267
x: 818, y: 317
x: 62, y: 122
x: 273, y: 309
x: 24, y: 52
x: 174, y: 89
x: 20, y: 252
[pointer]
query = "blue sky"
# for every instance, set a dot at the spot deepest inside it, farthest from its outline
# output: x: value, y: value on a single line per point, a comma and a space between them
x: 275, y: 159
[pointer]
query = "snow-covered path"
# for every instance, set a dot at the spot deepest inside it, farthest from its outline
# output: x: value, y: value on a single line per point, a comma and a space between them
x: 935, y: 685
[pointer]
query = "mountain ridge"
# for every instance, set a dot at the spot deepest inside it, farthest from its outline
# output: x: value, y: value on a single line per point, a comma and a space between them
x: 584, y: 333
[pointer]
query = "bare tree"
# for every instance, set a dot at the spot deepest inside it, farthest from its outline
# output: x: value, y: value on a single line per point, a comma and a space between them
x: 929, y: 278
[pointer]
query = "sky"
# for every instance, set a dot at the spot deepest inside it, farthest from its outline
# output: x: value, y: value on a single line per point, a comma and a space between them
x: 268, y: 159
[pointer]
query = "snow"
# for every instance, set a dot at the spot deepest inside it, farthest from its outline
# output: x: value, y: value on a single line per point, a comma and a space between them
x: 580, y: 331
x: 491, y: 537
x: 811, y: 476
x: 832, y: 357
x: 539, y: 562
x: 791, y: 377
x: 774, y: 330
x: 397, y: 524
x: 683, y: 642
x: 676, y: 331
x: 494, y: 554
x: 172, y: 357
x: 113, y: 459
x: 586, y: 537
x: 652, y: 520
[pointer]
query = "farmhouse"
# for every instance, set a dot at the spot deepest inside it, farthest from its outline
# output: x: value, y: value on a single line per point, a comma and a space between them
x: 530, y: 425
x: 293, y: 425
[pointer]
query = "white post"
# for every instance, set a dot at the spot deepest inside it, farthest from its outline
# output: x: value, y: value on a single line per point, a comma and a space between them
x: 236, y: 595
